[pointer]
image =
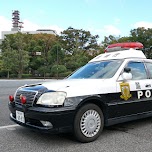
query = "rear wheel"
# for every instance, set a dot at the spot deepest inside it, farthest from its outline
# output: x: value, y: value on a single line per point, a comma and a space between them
x: 88, y: 123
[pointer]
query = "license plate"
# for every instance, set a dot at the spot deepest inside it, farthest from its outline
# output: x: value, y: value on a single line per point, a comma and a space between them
x: 20, y: 116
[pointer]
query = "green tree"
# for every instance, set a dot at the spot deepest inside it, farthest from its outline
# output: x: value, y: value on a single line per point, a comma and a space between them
x: 73, y: 62
x: 14, y: 54
x: 145, y: 37
x: 42, y: 44
x: 142, y: 35
x: 7, y: 56
x: 78, y: 46
x: 57, y: 54
x: 112, y: 39
x: 75, y: 40
x: 58, y: 70
x: 1, y: 64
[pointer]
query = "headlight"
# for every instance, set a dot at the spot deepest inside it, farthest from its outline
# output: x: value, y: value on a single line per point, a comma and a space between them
x: 52, y: 98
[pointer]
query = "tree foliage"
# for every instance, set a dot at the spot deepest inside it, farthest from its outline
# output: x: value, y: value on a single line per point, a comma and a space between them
x: 78, y: 44
x: 58, y: 70
x: 142, y: 35
x: 145, y: 37
x: 1, y: 64
x: 14, y: 55
x: 111, y: 40
x: 75, y: 40
x: 40, y: 48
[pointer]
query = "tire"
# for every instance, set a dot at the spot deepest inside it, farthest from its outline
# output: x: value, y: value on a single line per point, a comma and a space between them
x: 88, y: 123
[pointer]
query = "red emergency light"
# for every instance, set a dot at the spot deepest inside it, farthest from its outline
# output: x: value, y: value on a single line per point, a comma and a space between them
x: 123, y: 46
x: 11, y: 98
x: 23, y: 99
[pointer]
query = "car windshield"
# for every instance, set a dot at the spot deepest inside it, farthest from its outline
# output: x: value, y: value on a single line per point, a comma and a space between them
x: 97, y: 70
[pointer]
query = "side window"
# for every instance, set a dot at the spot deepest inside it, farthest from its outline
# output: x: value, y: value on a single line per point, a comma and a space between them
x: 138, y: 70
x: 149, y: 67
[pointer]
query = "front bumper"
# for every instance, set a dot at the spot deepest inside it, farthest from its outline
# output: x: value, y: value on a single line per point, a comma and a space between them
x: 60, y: 118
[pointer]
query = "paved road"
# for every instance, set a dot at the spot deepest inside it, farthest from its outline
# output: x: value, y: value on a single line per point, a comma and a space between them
x: 128, y: 137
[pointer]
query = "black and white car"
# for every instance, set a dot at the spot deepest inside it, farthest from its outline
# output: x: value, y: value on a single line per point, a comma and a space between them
x: 112, y: 88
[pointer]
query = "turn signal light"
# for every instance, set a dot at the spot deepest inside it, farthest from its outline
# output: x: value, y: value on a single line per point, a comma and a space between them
x: 11, y: 98
x: 23, y: 99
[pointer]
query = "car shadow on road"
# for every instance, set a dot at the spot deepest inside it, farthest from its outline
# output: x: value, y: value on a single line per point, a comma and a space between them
x: 44, y: 137
x: 127, y: 126
x: 68, y: 138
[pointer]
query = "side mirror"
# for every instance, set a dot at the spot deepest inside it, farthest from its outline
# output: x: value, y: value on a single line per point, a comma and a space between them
x: 126, y: 75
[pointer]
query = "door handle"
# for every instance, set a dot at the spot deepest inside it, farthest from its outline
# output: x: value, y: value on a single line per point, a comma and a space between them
x: 148, y: 85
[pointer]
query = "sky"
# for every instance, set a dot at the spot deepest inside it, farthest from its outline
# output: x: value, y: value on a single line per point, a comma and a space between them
x: 102, y: 17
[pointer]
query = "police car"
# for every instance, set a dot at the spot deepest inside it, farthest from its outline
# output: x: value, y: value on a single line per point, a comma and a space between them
x: 112, y: 88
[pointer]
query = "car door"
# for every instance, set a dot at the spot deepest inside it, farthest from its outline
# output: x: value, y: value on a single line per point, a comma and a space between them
x: 135, y: 94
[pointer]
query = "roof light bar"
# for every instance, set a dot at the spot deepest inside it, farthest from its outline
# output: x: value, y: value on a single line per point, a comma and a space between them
x: 123, y: 46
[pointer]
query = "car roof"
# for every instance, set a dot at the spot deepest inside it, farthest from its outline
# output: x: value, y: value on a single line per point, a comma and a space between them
x: 128, y: 53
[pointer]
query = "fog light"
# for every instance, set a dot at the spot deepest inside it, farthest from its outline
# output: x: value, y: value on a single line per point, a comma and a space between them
x: 47, y: 124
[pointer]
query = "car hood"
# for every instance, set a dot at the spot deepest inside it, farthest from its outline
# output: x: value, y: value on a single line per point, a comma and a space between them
x: 81, y: 87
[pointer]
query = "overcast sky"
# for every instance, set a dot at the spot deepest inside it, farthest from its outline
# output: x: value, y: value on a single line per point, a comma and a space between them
x: 102, y: 17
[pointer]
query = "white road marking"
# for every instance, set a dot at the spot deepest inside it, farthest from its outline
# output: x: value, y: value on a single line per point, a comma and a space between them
x: 9, y: 126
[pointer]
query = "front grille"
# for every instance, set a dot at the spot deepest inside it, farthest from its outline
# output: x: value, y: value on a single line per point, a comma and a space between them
x: 30, y: 97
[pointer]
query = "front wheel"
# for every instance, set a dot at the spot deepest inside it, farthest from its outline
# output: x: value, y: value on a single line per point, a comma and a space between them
x: 88, y: 123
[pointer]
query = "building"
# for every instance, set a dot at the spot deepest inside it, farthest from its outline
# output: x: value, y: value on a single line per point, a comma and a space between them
x: 47, y: 31
x: 17, y: 25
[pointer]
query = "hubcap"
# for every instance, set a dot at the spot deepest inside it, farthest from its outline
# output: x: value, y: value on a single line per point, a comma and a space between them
x: 90, y: 123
